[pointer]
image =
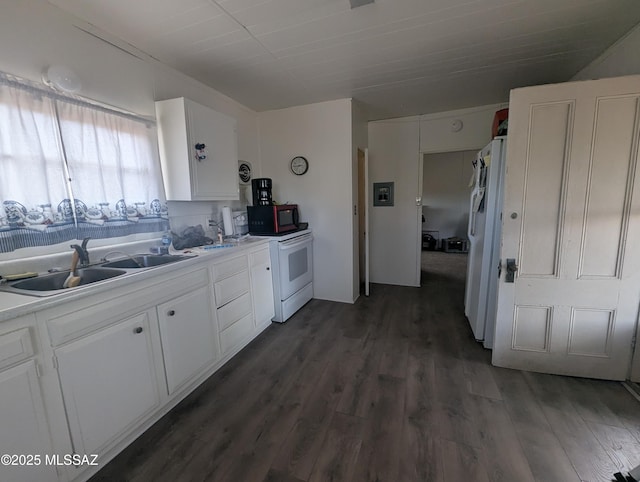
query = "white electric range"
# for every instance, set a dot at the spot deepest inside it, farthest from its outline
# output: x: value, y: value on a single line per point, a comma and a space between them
x: 291, y: 271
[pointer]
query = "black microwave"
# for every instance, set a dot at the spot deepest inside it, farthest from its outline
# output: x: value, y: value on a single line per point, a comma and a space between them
x: 273, y: 220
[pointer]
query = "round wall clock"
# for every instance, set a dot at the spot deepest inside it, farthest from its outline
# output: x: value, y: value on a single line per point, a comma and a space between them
x: 299, y: 165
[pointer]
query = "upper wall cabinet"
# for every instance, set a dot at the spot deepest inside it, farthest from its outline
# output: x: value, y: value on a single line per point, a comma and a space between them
x: 198, y: 151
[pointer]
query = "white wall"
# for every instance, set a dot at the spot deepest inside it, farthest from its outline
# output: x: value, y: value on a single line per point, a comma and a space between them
x: 321, y: 133
x: 445, y: 192
x: 436, y: 134
x: 622, y: 58
x: 35, y: 34
x: 394, y: 152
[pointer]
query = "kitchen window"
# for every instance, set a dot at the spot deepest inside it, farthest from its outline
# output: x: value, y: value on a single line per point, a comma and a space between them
x: 71, y: 169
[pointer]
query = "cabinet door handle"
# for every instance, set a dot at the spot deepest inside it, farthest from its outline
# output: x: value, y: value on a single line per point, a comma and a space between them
x: 171, y: 312
x: 137, y: 330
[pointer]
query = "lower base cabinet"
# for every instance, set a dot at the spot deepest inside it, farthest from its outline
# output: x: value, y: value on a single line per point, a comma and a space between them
x: 188, y: 337
x: 262, y: 286
x: 89, y: 375
x: 23, y: 426
x: 108, y: 382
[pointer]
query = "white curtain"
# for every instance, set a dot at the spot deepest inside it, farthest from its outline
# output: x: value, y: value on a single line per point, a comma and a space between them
x: 71, y: 169
x: 32, y: 165
x: 110, y: 158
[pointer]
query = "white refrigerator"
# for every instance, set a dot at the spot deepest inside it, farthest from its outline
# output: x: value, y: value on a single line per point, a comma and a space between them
x: 484, y: 232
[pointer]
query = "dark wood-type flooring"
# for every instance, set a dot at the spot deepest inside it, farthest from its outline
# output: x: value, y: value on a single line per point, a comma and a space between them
x: 392, y: 388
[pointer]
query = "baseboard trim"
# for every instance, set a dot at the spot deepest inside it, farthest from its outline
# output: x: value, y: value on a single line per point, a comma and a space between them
x: 633, y: 389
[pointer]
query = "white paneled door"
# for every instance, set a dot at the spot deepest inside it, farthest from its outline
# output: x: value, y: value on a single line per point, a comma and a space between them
x: 571, y: 226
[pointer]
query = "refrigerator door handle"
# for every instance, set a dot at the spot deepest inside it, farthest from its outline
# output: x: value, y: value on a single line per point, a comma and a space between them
x: 471, y: 232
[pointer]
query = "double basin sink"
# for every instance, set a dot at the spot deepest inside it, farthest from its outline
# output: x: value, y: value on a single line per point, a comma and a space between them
x: 51, y: 284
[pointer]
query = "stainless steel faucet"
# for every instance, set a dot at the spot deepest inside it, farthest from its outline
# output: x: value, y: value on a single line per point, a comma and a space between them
x: 104, y: 258
x: 83, y: 254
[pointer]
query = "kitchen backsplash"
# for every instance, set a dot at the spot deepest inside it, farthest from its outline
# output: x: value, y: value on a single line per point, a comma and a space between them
x: 62, y: 259
x: 191, y: 213
x: 181, y: 215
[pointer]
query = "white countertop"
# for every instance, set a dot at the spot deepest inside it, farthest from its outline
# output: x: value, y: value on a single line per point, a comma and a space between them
x: 283, y: 237
x: 13, y: 305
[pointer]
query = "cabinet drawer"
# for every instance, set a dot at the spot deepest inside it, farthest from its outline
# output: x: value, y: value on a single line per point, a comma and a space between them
x: 260, y: 257
x: 230, y: 288
x: 236, y: 333
x: 234, y: 310
x: 229, y: 267
x: 15, y: 347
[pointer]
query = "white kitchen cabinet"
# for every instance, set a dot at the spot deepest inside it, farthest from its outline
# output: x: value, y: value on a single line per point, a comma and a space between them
x: 261, y: 286
x: 188, y: 335
x: 232, y: 291
x: 23, y: 425
x: 191, y: 174
x: 108, y: 382
x: 89, y: 374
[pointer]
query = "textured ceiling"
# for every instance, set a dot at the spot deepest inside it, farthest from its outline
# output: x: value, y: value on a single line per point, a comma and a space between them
x: 399, y: 57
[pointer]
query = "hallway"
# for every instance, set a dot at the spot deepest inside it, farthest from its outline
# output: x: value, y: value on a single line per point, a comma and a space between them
x: 392, y: 388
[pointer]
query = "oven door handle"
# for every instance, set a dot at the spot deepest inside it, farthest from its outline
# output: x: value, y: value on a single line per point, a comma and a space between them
x: 295, y: 242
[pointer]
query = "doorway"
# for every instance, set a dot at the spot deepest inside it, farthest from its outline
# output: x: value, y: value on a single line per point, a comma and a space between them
x: 445, y: 212
x: 363, y: 220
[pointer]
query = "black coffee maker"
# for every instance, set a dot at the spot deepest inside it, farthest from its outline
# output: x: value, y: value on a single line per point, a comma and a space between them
x: 261, y: 188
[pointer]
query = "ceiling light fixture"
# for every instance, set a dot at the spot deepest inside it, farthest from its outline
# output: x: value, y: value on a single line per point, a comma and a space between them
x: 61, y: 78
x: 359, y: 3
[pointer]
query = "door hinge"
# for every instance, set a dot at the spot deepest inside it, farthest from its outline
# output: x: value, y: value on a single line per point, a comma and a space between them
x: 54, y: 359
x: 38, y: 370
x: 633, y: 343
